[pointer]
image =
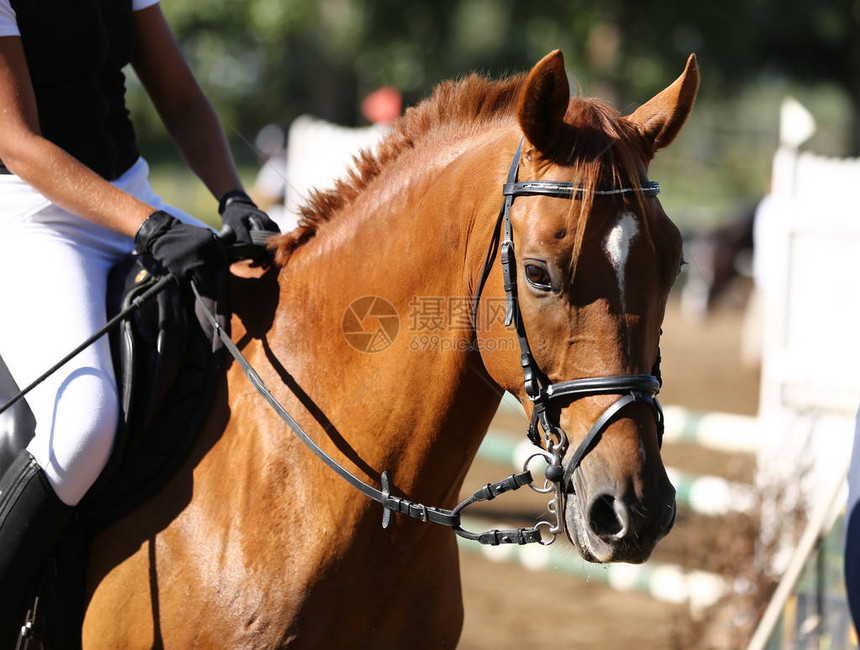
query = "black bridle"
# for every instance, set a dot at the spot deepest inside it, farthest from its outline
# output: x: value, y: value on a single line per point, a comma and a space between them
x: 543, y: 393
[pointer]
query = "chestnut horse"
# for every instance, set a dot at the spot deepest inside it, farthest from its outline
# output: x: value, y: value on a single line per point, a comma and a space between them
x: 255, y: 542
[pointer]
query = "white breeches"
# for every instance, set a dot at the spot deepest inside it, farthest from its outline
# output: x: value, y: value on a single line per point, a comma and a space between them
x: 53, y: 282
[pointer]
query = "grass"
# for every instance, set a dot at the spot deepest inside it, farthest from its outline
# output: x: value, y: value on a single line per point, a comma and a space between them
x: 178, y: 185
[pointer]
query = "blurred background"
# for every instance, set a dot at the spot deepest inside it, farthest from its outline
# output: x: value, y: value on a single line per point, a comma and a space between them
x: 269, y: 61
x: 358, y: 63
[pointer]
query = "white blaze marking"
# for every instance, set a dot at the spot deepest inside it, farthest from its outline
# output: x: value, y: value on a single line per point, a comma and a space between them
x: 617, y: 245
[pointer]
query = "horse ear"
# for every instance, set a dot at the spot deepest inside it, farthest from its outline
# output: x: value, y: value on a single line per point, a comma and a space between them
x: 543, y: 101
x: 660, y: 119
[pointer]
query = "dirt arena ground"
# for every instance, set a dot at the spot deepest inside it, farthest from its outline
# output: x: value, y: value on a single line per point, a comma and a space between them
x: 508, y: 606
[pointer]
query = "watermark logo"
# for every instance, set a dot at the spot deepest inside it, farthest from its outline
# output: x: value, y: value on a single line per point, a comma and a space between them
x: 434, y: 324
x: 370, y: 324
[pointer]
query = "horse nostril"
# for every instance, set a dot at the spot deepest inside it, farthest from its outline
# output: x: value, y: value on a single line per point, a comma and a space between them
x: 670, y: 519
x: 607, y: 517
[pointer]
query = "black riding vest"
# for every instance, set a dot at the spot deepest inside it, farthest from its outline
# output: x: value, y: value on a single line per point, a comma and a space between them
x: 75, y: 52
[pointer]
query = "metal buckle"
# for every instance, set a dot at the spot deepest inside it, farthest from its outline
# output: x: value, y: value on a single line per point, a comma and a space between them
x: 550, y: 530
x: 556, y: 443
x: 386, y: 492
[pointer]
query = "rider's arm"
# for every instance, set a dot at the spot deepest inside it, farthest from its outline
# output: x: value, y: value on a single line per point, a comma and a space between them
x: 181, y: 104
x: 45, y: 166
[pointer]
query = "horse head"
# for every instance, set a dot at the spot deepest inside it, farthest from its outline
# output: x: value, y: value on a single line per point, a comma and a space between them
x: 592, y: 259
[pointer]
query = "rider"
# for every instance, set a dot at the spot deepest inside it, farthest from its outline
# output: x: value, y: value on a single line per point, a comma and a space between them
x: 75, y: 199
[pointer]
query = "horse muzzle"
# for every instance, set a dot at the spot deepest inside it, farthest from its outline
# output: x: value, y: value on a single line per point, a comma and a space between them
x: 608, y: 522
x: 610, y: 516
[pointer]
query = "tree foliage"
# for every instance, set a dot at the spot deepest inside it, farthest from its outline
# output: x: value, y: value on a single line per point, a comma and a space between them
x: 269, y: 60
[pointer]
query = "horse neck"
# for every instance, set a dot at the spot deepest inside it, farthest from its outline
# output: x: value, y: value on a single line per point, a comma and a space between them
x: 420, y: 407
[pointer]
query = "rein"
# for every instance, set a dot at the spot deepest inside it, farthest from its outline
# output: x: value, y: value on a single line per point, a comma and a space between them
x: 390, y: 503
x: 543, y: 393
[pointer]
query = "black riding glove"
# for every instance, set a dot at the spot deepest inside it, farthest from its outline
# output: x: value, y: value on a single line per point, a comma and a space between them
x: 248, y: 224
x: 187, y: 252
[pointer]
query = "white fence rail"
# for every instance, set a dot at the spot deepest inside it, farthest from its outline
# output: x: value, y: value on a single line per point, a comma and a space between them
x: 808, y: 249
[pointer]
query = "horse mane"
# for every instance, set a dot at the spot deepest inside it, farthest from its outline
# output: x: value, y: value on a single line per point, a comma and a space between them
x: 454, y: 107
x: 588, y: 143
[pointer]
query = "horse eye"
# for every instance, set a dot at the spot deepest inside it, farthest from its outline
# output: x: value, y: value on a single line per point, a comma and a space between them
x: 538, y: 277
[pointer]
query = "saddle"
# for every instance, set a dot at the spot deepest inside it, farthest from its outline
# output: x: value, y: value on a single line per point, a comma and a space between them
x: 167, y: 363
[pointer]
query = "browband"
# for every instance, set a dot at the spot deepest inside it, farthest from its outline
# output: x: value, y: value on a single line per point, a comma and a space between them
x: 567, y: 190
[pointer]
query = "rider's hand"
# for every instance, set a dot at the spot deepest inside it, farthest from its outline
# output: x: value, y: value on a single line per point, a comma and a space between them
x: 187, y: 252
x: 242, y: 217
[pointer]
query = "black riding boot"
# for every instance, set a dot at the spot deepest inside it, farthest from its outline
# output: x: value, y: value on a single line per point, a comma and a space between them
x: 31, y: 519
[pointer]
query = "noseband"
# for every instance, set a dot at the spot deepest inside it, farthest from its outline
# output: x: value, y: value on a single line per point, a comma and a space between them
x: 543, y: 393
